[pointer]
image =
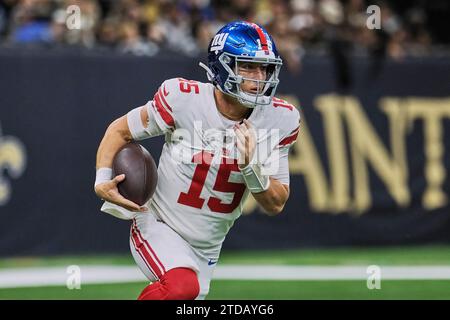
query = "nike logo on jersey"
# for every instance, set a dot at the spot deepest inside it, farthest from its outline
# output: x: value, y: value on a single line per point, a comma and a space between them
x: 211, y: 262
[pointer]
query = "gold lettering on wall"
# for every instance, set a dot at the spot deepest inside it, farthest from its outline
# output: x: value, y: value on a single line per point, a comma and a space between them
x: 306, y: 161
x: 432, y: 112
x: 367, y: 147
x: 344, y: 115
x: 339, y: 197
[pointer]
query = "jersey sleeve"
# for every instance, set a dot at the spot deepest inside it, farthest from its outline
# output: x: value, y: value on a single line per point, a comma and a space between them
x: 282, y: 166
x: 290, y: 129
x: 160, y: 114
x: 281, y: 152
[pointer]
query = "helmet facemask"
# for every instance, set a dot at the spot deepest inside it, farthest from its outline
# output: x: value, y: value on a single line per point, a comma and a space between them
x: 266, y: 88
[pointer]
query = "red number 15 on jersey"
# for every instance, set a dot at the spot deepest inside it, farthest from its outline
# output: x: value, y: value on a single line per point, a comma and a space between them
x: 192, y: 197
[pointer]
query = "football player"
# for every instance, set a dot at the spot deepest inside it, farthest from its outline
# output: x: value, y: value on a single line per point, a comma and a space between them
x: 223, y: 140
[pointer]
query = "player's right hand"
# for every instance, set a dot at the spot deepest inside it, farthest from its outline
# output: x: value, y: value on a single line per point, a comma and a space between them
x: 108, y: 191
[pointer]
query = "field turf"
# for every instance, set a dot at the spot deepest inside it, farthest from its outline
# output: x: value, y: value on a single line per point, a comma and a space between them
x: 263, y: 289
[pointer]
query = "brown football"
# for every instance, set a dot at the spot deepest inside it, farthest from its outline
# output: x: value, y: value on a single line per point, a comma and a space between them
x: 141, y: 173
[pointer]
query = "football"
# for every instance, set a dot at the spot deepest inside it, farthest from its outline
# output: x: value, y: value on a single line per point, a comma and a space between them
x: 141, y: 173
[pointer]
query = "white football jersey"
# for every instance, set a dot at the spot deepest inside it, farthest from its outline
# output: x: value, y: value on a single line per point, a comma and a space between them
x: 200, y: 191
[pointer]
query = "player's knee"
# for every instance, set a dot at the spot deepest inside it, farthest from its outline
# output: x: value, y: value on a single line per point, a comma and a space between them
x: 182, y: 284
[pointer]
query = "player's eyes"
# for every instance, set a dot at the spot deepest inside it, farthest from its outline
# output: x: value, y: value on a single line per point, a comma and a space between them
x: 253, y: 67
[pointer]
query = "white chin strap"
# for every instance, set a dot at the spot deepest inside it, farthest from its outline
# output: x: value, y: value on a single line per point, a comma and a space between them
x: 251, y: 101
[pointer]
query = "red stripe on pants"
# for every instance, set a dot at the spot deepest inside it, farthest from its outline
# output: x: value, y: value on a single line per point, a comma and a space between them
x: 145, y: 251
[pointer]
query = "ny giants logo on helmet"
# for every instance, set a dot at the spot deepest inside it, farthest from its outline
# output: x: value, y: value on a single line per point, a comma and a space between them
x: 219, y: 42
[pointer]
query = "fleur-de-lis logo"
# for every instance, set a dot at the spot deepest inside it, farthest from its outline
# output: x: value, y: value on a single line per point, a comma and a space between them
x: 12, y: 164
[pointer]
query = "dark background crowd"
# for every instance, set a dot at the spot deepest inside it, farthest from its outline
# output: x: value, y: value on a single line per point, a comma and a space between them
x: 145, y: 27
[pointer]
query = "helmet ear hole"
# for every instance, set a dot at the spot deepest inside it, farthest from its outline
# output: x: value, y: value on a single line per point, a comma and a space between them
x: 226, y: 59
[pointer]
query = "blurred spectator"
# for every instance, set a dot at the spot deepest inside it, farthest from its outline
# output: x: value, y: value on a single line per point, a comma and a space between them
x: 288, y: 42
x: 107, y: 32
x: 173, y: 31
x: 2, y: 20
x: 142, y: 27
x: 132, y: 42
x: 90, y: 16
x: 30, y: 22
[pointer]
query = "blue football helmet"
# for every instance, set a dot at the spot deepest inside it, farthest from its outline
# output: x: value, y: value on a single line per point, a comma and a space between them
x: 242, y: 41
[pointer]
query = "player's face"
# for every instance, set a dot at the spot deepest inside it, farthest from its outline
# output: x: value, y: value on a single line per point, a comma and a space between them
x: 251, y: 70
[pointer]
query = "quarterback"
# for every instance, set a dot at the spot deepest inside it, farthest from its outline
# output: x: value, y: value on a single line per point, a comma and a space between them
x: 223, y: 140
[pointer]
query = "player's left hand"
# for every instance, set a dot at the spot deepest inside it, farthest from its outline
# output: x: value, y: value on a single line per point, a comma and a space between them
x: 246, y: 142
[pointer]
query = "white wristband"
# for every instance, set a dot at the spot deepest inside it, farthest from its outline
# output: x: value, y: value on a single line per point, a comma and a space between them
x: 255, y: 181
x: 103, y: 175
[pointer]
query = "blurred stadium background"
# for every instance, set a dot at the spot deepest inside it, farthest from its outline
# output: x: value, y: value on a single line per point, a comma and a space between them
x: 369, y: 184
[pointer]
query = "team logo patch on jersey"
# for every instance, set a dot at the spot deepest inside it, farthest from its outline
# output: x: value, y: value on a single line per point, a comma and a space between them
x: 218, y: 42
